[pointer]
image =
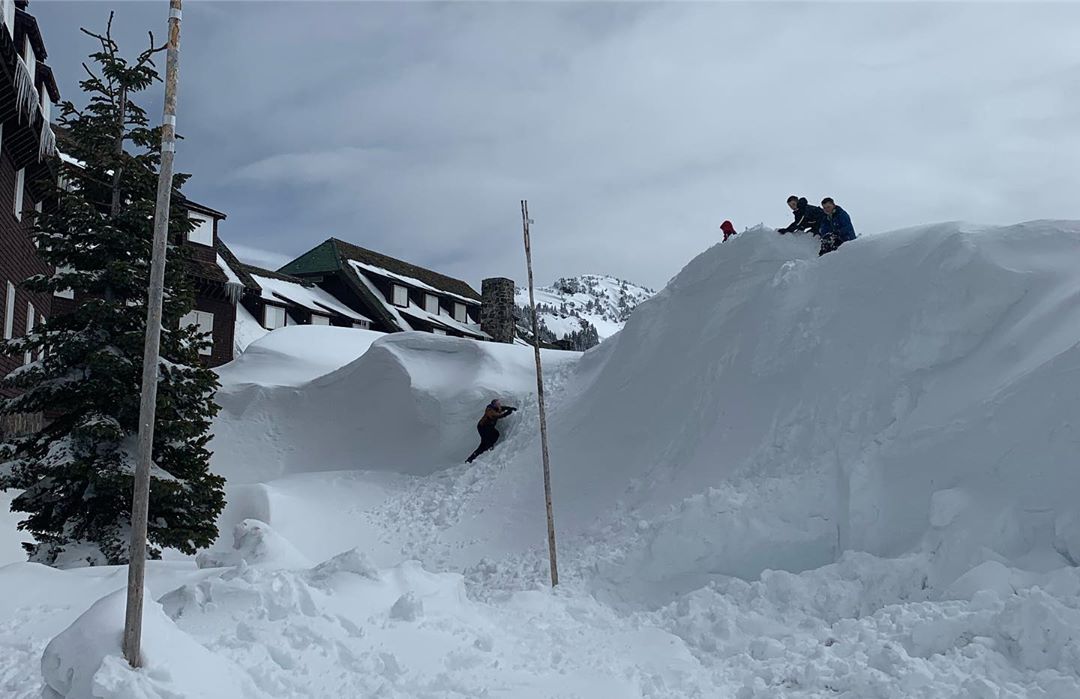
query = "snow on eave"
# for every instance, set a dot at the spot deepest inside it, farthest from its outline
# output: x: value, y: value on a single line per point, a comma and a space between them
x: 444, y: 321
x: 389, y: 307
x: 311, y: 298
x: 411, y: 281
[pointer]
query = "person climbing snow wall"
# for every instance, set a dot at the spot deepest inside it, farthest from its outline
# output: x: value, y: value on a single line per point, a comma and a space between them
x: 486, y: 427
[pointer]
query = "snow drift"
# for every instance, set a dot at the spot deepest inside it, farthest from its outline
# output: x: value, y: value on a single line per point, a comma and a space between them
x: 408, y: 404
x: 770, y: 409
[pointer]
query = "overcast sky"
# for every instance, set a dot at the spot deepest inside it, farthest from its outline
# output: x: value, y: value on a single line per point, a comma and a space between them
x: 632, y: 129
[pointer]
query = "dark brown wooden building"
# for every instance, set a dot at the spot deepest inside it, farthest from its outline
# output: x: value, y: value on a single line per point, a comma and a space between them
x: 27, y: 93
x: 395, y: 295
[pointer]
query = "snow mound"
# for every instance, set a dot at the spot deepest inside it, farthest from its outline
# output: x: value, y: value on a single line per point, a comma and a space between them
x: 86, y: 661
x: 294, y: 355
x: 771, y: 409
x: 408, y: 404
x: 255, y: 544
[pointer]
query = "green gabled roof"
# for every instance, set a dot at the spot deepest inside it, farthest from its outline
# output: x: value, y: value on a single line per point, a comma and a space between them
x: 320, y: 259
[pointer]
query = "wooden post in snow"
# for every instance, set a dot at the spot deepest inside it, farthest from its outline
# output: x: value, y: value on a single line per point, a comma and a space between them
x: 525, y: 221
x: 148, y: 400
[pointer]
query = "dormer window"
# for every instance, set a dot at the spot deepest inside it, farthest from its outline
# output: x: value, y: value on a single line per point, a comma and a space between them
x: 460, y: 314
x: 431, y: 304
x: 317, y: 319
x: 401, y: 296
x: 203, y: 232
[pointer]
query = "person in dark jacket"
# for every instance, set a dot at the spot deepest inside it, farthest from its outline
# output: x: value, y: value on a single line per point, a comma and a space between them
x: 836, y: 229
x: 486, y: 427
x: 728, y: 229
x: 807, y: 218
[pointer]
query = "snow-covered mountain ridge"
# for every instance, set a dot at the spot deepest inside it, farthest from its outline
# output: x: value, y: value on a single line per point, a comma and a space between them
x: 582, y: 311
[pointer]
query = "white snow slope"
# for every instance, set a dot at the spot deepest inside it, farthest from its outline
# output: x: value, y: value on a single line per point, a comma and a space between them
x: 852, y: 476
x: 604, y: 301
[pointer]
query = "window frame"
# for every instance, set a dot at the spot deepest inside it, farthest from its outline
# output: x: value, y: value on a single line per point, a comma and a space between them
x: 277, y: 309
x: 204, y: 223
x: 464, y: 316
x: 9, y: 311
x: 394, y: 295
x: 204, y: 321
x: 31, y: 312
x: 322, y: 318
x: 20, y: 190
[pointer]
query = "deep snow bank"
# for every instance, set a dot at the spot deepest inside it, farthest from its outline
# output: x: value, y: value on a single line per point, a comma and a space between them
x: 294, y: 355
x: 408, y: 404
x: 770, y: 408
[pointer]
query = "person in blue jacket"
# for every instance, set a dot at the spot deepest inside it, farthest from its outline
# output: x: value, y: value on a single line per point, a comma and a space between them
x: 836, y: 228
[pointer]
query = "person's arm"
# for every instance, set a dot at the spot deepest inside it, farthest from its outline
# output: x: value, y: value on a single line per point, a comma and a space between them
x: 507, y: 410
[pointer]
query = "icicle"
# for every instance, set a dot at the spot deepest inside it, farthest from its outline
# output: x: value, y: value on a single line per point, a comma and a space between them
x: 47, y: 144
x: 234, y: 290
x: 26, y: 94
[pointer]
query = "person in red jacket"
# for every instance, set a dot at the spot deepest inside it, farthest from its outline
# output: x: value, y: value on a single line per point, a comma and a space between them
x: 728, y: 229
x: 486, y: 427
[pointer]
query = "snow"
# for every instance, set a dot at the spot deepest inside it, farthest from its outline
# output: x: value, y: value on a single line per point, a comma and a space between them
x: 593, y: 298
x: 361, y: 267
x: 310, y: 297
x: 413, y: 310
x: 247, y: 330
x: 787, y: 476
x: 294, y: 355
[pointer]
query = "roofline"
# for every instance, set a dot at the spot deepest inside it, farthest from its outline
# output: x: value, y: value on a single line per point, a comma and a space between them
x: 201, y: 208
x: 30, y: 21
x: 361, y: 289
x: 48, y: 80
x: 341, y: 255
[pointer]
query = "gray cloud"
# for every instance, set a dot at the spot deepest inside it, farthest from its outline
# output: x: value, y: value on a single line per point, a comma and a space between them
x: 633, y: 129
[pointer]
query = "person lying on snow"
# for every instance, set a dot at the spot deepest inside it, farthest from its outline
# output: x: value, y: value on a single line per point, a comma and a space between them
x: 486, y: 427
x: 807, y: 218
x: 728, y: 230
x: 836, y: 229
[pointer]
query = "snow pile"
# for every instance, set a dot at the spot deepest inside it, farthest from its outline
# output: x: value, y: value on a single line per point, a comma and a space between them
x: 570, y: 304
x: 408, y: 404
x: 86, y: 660
x: 294, y: 355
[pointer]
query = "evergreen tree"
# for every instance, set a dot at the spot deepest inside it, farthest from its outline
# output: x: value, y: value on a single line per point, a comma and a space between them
x: 76, y: 474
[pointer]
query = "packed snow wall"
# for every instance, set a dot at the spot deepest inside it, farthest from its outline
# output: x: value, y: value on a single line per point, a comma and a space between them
x: 770, y: 408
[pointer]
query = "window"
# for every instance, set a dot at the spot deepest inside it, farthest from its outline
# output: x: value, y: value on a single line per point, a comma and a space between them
x: 9, y: 312
x: 274, y: 317
x: 361, y: 325
x: 203, y: 233
x: 317, y: 319
x: 431, y: 304
x: 460, y: 314
x: 28, y: 356
x: 20, y: 185
x: 30, y: 58
x: 401, y: 296
x: 204, y: 322
x: 8, y: 8
x: 41, y: 350
x: 438, y: 331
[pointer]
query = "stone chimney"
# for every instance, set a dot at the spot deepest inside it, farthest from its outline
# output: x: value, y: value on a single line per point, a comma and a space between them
x: 497, y: 309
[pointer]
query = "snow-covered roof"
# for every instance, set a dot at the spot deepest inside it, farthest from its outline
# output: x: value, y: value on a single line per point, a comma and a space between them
x: 362, y: 267
x: 312, y: 298
x: 416, y: 312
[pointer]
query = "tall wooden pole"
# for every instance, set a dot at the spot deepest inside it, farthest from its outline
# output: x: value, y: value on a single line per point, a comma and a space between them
x: 540, y: 395
x: 148, y: 402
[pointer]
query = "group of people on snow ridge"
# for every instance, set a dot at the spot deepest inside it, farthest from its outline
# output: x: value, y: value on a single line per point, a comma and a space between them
x: 828, y: 222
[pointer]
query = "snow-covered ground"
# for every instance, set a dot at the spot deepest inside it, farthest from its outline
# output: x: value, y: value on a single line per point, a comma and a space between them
x: 603, y: 301
x: 852, y: 476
